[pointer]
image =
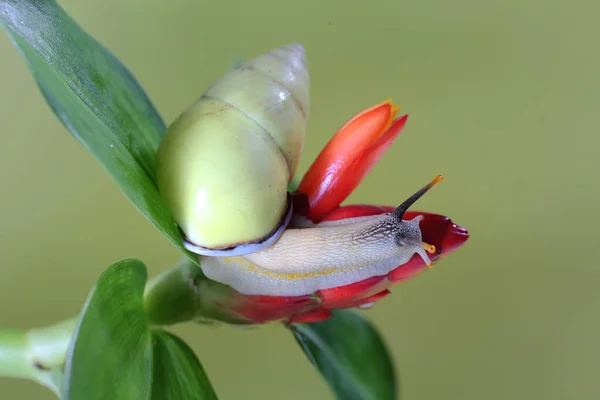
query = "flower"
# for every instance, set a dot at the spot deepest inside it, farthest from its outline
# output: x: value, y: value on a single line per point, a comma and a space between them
x: 339, y: 168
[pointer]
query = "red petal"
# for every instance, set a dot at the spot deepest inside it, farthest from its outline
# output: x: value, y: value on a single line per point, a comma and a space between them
x: 340, y: 297
x: 313, y: 316
x: 411, y: 269
x: 261, y: 309
x: 349, y: 155
x: 371, y: 299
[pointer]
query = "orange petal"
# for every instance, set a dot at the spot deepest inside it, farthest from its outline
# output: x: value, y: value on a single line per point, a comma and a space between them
x: 363, y: 165
x: 347, y: 158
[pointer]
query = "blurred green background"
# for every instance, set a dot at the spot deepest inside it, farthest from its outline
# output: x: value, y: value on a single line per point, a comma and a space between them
x: 502, y: 97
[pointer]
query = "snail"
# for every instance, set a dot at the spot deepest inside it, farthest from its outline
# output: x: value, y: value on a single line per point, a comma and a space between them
x: 223, y: 169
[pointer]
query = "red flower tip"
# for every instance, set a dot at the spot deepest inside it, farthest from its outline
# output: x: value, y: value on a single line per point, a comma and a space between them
x: 349, y: 156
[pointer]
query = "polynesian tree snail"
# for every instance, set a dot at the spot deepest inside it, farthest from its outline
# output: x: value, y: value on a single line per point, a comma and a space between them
x: 223, y: 169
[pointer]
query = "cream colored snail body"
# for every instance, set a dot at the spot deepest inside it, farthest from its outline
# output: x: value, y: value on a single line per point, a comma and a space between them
x: 223, y: 168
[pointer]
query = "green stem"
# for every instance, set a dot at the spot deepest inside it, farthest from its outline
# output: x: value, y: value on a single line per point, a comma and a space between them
x: 183, y: 294
x: 37, y: 354
x: 14, y: 359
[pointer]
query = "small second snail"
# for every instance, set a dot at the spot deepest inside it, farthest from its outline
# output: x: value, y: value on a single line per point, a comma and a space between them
x: 224, y: 167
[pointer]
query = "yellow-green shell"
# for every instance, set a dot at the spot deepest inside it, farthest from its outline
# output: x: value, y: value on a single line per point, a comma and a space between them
x: 224, y: 165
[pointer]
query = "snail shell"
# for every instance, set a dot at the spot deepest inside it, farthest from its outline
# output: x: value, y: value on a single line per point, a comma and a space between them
x: 224, y: 165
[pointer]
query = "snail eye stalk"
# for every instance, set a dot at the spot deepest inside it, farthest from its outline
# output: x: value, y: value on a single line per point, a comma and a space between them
x: 399, y: 212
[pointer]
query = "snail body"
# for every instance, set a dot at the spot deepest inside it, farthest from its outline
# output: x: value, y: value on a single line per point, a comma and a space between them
x: 223, y: 168
x: 303, y: 261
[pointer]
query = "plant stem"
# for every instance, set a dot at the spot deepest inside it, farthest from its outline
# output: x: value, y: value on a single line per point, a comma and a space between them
x: 14, y: 360
x: 183, y: 294
x: 37, y: 354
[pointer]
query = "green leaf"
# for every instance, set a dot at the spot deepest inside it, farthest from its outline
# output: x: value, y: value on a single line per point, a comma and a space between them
x: 349, y: 353
x: 96, y: 98
x: 177, y: 372
x: 110, y: 356
x: 115, y: 355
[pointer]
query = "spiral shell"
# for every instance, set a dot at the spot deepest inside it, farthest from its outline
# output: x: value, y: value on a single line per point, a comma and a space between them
x: 224, y: 165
